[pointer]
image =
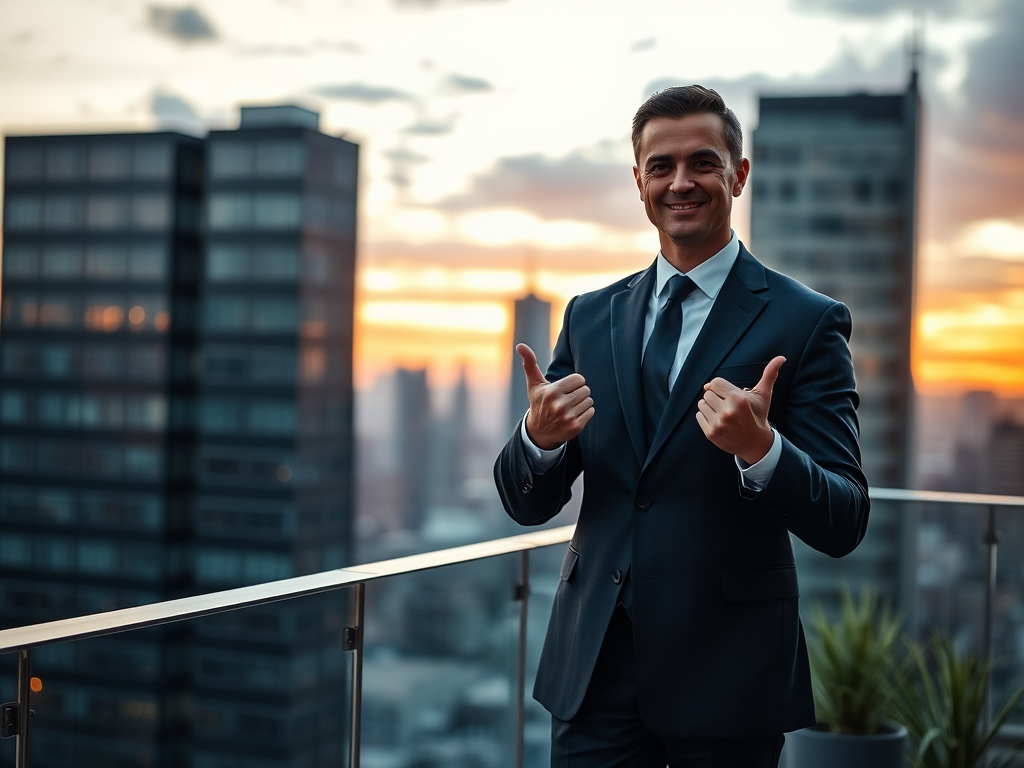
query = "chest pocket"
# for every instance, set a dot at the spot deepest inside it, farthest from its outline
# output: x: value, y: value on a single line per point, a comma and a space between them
x: 742, y: 375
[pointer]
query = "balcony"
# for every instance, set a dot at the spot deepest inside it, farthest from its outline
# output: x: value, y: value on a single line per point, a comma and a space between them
x: 416, y: 661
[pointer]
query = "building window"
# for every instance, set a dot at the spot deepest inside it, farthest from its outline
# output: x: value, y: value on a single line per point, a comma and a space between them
x: 152, y: 161
x: 147, y: 262
x: 275, y: 316
x: 15, y: 551
x: 57, y: 311
x: 146, y: 363
x: 109, y: 162
x: 230, y: 160
x: 227, y: 263
x: 280, y: 159
x: 106, y: 212
x: 62, y: 262
x: 230, y: 211
x: 226, y: 314
x: 23, y: 164
x: 271, y: 417
x: 106, y: 262
x: 13, y: 407
x: 97, y: 557
x: 277, y: 211
x: 20, y: 261
x: 104, y: 313
x: 63, y: 163
x: 275, y: 263
x: 22, y: 212
x: 19, y: 359
x: 787, y: 190
x: 100, y: 362
x: 151, y: 212
x: 62, y: 212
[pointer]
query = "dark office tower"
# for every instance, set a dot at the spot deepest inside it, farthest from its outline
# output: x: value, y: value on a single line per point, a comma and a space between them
x: 532, y: 326
x: 274, y: 462
x: 412, y: 443
x: 834, y: 205
x: 101, y: 246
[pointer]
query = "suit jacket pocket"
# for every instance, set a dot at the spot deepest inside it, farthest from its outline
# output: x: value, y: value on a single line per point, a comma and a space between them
x: 569, y: 563
x: 772, y: 583
x: 742, y: 375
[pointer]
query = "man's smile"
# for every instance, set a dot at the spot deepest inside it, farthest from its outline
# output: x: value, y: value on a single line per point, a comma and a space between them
x: 688, y: 206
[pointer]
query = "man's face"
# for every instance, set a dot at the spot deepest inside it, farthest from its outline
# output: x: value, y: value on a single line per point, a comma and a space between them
x: 687, y: 180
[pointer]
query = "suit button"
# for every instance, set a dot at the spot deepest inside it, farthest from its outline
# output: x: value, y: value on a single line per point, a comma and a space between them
x: 616, y: 575
x: 643, y: 502
x: 526, y: 486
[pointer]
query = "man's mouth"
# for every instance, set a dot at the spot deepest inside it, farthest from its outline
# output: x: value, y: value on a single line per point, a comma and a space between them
x: 688, y: 206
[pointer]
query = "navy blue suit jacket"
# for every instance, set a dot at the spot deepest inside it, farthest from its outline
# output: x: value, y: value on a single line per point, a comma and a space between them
x: 720, y: 650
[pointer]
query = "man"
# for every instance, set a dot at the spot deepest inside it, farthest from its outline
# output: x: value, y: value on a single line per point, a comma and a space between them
x: 710, y: 404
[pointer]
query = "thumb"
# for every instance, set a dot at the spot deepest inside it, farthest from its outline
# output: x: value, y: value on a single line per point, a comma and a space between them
x: 771, y: 373
x: 534, y: 375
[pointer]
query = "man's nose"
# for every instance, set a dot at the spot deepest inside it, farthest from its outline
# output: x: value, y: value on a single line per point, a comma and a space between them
x: 681, y: 181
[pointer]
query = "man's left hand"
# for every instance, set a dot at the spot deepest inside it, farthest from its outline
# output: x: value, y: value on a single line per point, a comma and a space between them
x: 736, y: 420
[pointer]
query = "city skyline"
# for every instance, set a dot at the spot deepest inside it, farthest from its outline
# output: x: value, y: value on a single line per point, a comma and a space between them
x: 484, y: 166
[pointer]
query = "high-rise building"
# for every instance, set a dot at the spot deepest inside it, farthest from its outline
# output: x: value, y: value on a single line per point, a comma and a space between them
x: 531, y: 326
x: 834, y: 183
x: 100, y: 277
x: 176, y: 412
x: 412, y: 443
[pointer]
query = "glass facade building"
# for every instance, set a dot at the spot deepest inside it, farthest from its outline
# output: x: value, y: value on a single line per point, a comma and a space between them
x: 176, y: 418
x: 834, y: 205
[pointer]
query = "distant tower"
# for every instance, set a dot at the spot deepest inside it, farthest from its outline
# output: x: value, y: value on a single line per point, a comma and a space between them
x: 835, y: 206
x: 532, y: 327
x: 412, y: 442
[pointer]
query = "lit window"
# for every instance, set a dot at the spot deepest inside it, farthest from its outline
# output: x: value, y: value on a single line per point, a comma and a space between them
x: 56, y: 311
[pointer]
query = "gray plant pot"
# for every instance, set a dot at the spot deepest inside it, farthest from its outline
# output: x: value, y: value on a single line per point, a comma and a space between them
x: 817, y: 748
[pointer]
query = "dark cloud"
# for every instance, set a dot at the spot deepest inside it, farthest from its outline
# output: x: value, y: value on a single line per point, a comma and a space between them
x: 361, y: 92
x: 461, y: 84
x: 403, y: 163
x: 431, y: 127
x: 574, y: 187
x: 185, y: 23
x: 647, y: 44
x: 876, y: 8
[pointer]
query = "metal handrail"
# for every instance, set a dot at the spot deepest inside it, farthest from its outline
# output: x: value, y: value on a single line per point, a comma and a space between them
x: 24, y: 639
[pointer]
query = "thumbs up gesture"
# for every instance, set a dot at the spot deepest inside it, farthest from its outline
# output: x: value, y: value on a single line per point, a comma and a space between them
x: 558, y: 410
x: 736, y: 420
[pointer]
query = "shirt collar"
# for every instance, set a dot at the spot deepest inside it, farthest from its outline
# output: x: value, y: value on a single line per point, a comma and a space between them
x: 709, y: 275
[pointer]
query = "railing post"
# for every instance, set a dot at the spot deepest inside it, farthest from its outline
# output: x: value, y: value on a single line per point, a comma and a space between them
x: 522, y: 594
x: 354, y: 642
x: 992, y: 542
x: 24, y: 713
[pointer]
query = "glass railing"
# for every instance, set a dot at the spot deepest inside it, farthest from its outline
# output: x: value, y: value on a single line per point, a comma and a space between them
x: 422, y: 660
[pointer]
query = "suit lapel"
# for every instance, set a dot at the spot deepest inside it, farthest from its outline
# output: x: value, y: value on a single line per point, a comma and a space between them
x: 736, y: 307
x: 628, y: 311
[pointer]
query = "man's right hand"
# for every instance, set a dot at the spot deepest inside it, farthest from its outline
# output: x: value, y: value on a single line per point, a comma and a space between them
x: 558, y: 410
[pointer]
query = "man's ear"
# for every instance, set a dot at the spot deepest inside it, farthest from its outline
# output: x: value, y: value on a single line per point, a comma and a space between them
x: 742, y: 172
x: 639, y: 184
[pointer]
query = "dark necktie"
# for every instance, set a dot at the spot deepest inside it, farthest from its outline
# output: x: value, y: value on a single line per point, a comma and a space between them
x: 661, y: 352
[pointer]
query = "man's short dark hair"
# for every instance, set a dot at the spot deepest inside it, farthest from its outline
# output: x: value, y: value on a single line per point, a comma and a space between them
x: 682, y: 100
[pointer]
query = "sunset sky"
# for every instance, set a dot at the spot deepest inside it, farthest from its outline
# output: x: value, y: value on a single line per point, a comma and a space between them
x: 494, y: 134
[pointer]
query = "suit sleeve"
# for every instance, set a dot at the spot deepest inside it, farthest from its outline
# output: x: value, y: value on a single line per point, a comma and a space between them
x: 818, y: 487
x: 533, y: 499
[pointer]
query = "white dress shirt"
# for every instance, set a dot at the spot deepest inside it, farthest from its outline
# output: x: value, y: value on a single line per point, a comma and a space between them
x: 709, y: 277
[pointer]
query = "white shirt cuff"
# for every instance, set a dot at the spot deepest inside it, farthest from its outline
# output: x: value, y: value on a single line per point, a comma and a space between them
x: 756, y: 476
x: 541, y: 461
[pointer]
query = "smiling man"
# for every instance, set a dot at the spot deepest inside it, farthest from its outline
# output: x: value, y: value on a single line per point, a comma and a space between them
x: 710, y: 404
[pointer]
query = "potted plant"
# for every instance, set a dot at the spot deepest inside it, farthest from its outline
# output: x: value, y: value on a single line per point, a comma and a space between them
x: 941, y: 703
x: 852, y: 660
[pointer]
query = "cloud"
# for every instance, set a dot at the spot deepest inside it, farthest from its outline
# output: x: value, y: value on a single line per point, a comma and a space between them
x: 403, y: 162
x: 457, y: 85
x: 186, y: 23
x: 363, y: 93
x: 878, y: 8
x: 575, y: 187
x: 431, y: 126
x: 647, y: 44
x: 174, y: 113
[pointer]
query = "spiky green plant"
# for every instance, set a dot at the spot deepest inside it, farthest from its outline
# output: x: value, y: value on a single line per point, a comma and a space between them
x: 941, y: 705
x: 850, y: 661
